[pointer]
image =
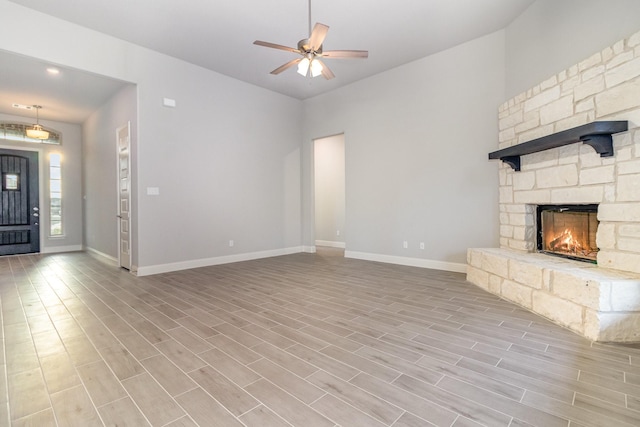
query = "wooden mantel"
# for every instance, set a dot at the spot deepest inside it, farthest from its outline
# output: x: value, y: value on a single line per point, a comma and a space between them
x: 595, y: 134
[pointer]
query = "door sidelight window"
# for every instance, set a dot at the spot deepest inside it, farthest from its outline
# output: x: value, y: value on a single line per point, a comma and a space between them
x: 55, y: 194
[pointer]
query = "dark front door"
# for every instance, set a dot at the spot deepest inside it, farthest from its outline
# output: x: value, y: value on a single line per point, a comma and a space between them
x: 19, y: 207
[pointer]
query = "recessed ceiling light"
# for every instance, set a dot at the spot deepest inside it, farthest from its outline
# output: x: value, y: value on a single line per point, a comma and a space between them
x: 23, y: 107
x: 53, y: 71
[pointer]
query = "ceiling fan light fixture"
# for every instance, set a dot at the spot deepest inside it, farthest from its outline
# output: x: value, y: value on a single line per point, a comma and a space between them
x: 303, y: 66
x: 316, y: 68
x: 37, y: 131
x: 311, y: 51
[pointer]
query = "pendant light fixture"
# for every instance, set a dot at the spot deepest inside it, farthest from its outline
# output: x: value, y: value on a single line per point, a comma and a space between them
x: 37, y: 131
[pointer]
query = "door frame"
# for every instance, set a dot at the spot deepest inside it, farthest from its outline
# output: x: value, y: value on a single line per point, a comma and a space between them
x: 44, y: 208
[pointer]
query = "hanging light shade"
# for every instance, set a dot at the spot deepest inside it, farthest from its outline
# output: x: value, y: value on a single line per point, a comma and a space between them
x: 310, y: 63
x: 316, y: 68
x: 37, y: 131
x: 303, y: 67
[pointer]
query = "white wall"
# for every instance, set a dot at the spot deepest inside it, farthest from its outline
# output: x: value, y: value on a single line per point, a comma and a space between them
x: 329, y: 190
x: 100, y: 171
x: 71, y: 151
x: 226, y: 159
x: 552, y: 35
x: 416, y: 156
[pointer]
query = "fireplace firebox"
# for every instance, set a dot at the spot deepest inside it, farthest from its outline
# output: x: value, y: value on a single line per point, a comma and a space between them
x: 568, y: 231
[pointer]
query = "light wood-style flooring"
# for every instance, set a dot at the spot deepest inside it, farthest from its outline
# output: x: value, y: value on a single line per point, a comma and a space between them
x: 300, y: 340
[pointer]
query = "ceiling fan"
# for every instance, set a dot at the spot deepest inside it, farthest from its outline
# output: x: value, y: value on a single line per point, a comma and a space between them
x: 311, y: 51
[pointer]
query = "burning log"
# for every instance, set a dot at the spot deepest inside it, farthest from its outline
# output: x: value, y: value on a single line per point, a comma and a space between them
x: 565, y: 242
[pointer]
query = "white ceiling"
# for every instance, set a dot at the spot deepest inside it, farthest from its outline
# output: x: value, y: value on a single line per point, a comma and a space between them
x: 219, y: 35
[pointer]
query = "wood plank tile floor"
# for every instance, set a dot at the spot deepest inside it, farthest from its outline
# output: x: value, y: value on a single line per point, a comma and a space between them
x: 299, y: 340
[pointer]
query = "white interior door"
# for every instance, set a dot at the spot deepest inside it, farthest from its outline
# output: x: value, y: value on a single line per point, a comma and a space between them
x: 124, y: 196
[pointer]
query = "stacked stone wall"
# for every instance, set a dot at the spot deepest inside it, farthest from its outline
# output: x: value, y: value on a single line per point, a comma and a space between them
x: 605, y: 86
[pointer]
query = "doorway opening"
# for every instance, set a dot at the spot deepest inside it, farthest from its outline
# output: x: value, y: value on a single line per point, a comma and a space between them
x: 329, y: 192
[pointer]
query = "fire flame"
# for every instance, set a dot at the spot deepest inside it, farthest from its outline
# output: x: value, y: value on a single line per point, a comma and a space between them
x: 565, y: 242
x: 569, y: 234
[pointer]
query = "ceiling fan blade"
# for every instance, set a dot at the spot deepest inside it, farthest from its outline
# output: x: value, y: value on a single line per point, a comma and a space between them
x: 317, y: 36
x: 286, y: 66
x: 275, y: 46
x: 345, y: 54
x: 326, y: 71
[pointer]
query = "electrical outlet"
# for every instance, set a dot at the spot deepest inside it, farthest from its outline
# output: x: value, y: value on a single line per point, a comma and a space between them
x: 337, y: 232
x: 405, y: 244
x: 421, y: 245
x: 231, y: 243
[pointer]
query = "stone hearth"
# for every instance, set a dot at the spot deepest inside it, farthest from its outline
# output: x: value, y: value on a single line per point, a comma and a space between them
x: 601, y: 302
x: 598, y: 303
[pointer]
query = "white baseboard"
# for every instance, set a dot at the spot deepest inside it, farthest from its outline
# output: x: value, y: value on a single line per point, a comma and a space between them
x: 330, y: 244
x: 101, y: 254
x: 412, y: 262
x: 205, y: 262
x: 58, y: 249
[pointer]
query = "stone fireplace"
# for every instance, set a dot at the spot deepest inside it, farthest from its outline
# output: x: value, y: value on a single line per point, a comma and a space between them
x: 599, y: 300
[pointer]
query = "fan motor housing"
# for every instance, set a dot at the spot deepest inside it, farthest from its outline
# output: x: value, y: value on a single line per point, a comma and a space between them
x: 304, y: 46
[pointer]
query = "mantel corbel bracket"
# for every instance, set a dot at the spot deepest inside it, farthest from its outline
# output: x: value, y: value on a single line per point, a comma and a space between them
x: 513, y: 161
x: 602, y: 143
x: 595, y: 134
